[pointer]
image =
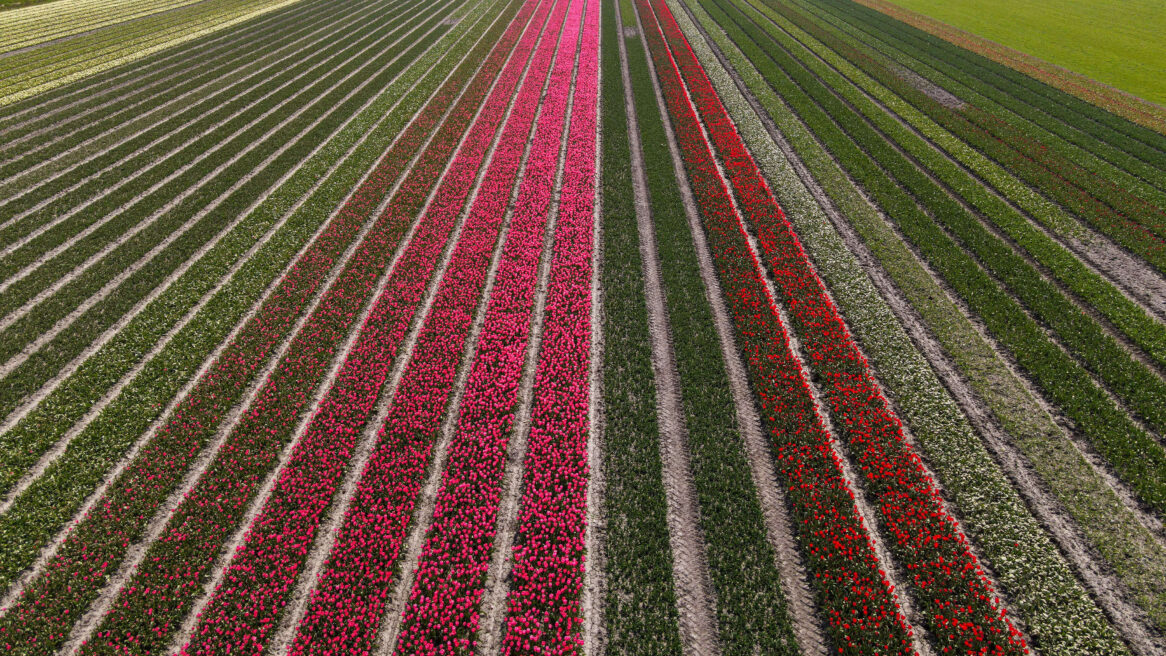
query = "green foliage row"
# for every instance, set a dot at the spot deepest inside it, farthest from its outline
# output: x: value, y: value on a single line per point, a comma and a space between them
x: 1134, y: 454
x: 299, y: 136
x: 751, y: 612
x: 639, y: 611
x: 51, y: 145
x: 1020, y: 553
x: 40, y: 512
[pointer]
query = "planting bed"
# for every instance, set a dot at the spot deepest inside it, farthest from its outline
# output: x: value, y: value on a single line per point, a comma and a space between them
x: 570, y: 327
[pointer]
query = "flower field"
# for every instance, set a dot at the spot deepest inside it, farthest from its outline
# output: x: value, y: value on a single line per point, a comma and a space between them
x: 570, y: 327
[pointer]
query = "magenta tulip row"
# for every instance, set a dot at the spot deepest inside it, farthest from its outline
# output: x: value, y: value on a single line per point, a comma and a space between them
x: 148, y: 608
x: 347, y: 606
x: 957, y: 601
x: 442, y: 615
x: 94, y: 549
x: 544, y: 614
x: 246, y: 605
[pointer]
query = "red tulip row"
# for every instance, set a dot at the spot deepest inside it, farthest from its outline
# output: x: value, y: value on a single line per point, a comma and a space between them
x: 254, y: 590
x: 953, y: 592
x: 345, y: 610
x: 544, y: 614
x: 149, y: 608
x: 97, y: 545
x: 442, y: 613
x: 854, y: 597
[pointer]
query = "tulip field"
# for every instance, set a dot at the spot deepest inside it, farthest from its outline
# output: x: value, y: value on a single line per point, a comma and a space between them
x: 574, y: 327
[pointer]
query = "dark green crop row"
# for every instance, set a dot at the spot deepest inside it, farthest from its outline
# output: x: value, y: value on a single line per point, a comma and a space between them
x: 40, y: 512
x: 1135, y: 455
x: 67, y: 404
x: 44, y: 129
x: 1130, y: 184
x: 640, y: 615
x: 1135, y: 221
x: 111, y: 82
x: 165, y: 147
x: 68, y: 344
x: 369, y: 73
x: 1032, y: 97
x: 1130, y: 380
x: 1127, y: 316
x: 751, y: 611
x: 61, y: 137
x: 24, y: 73
x: 989, y: 90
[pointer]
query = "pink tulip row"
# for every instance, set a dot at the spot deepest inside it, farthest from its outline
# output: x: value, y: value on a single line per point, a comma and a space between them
x: 345, y: 609
x: 150, y: 606
x: 544, y: 614
x: 955, y: 596
x: 246, y: 605
x: 98, y: 544
x: 442, y: 612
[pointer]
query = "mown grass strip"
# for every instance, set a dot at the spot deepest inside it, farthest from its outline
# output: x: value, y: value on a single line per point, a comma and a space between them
x: 1135, y: 455
x: 639, y: 605
x: 1128, y: 546
x: 1131, y: 221
x: 1018, y: 89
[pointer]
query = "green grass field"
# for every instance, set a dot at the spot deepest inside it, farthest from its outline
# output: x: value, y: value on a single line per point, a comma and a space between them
x: 1118, y: 42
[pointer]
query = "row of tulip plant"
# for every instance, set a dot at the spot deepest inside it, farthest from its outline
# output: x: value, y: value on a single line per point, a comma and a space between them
x: 851, y: 68
x: 54, y: 64
x: 544, y: 613
x: 744, y: 581
x: 263, y: 571
x: 168, y: 228
x: 93, y: 550
x: 639, y: 611
x: 855, y: 599
x: 905, y: 194
x: 103, y: 86
x: 442, y: 613
x: 350, y: 599
x: 19, y: 448
x: 166, y: 87
x: 1010, y: 102
x: 1059, y: 615
x: 954, y: 595
x: 305, y: 485
x: 52, y: 500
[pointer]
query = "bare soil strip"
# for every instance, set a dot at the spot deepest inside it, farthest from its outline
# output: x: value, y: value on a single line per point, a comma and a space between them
x: 594, y: 582
x: 694, y: 597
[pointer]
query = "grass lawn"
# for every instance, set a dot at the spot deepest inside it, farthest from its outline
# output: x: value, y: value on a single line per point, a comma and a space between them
x: 1117, y: 42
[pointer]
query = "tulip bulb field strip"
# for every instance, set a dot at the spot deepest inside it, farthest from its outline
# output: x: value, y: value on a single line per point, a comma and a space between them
x: 573, y: 327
